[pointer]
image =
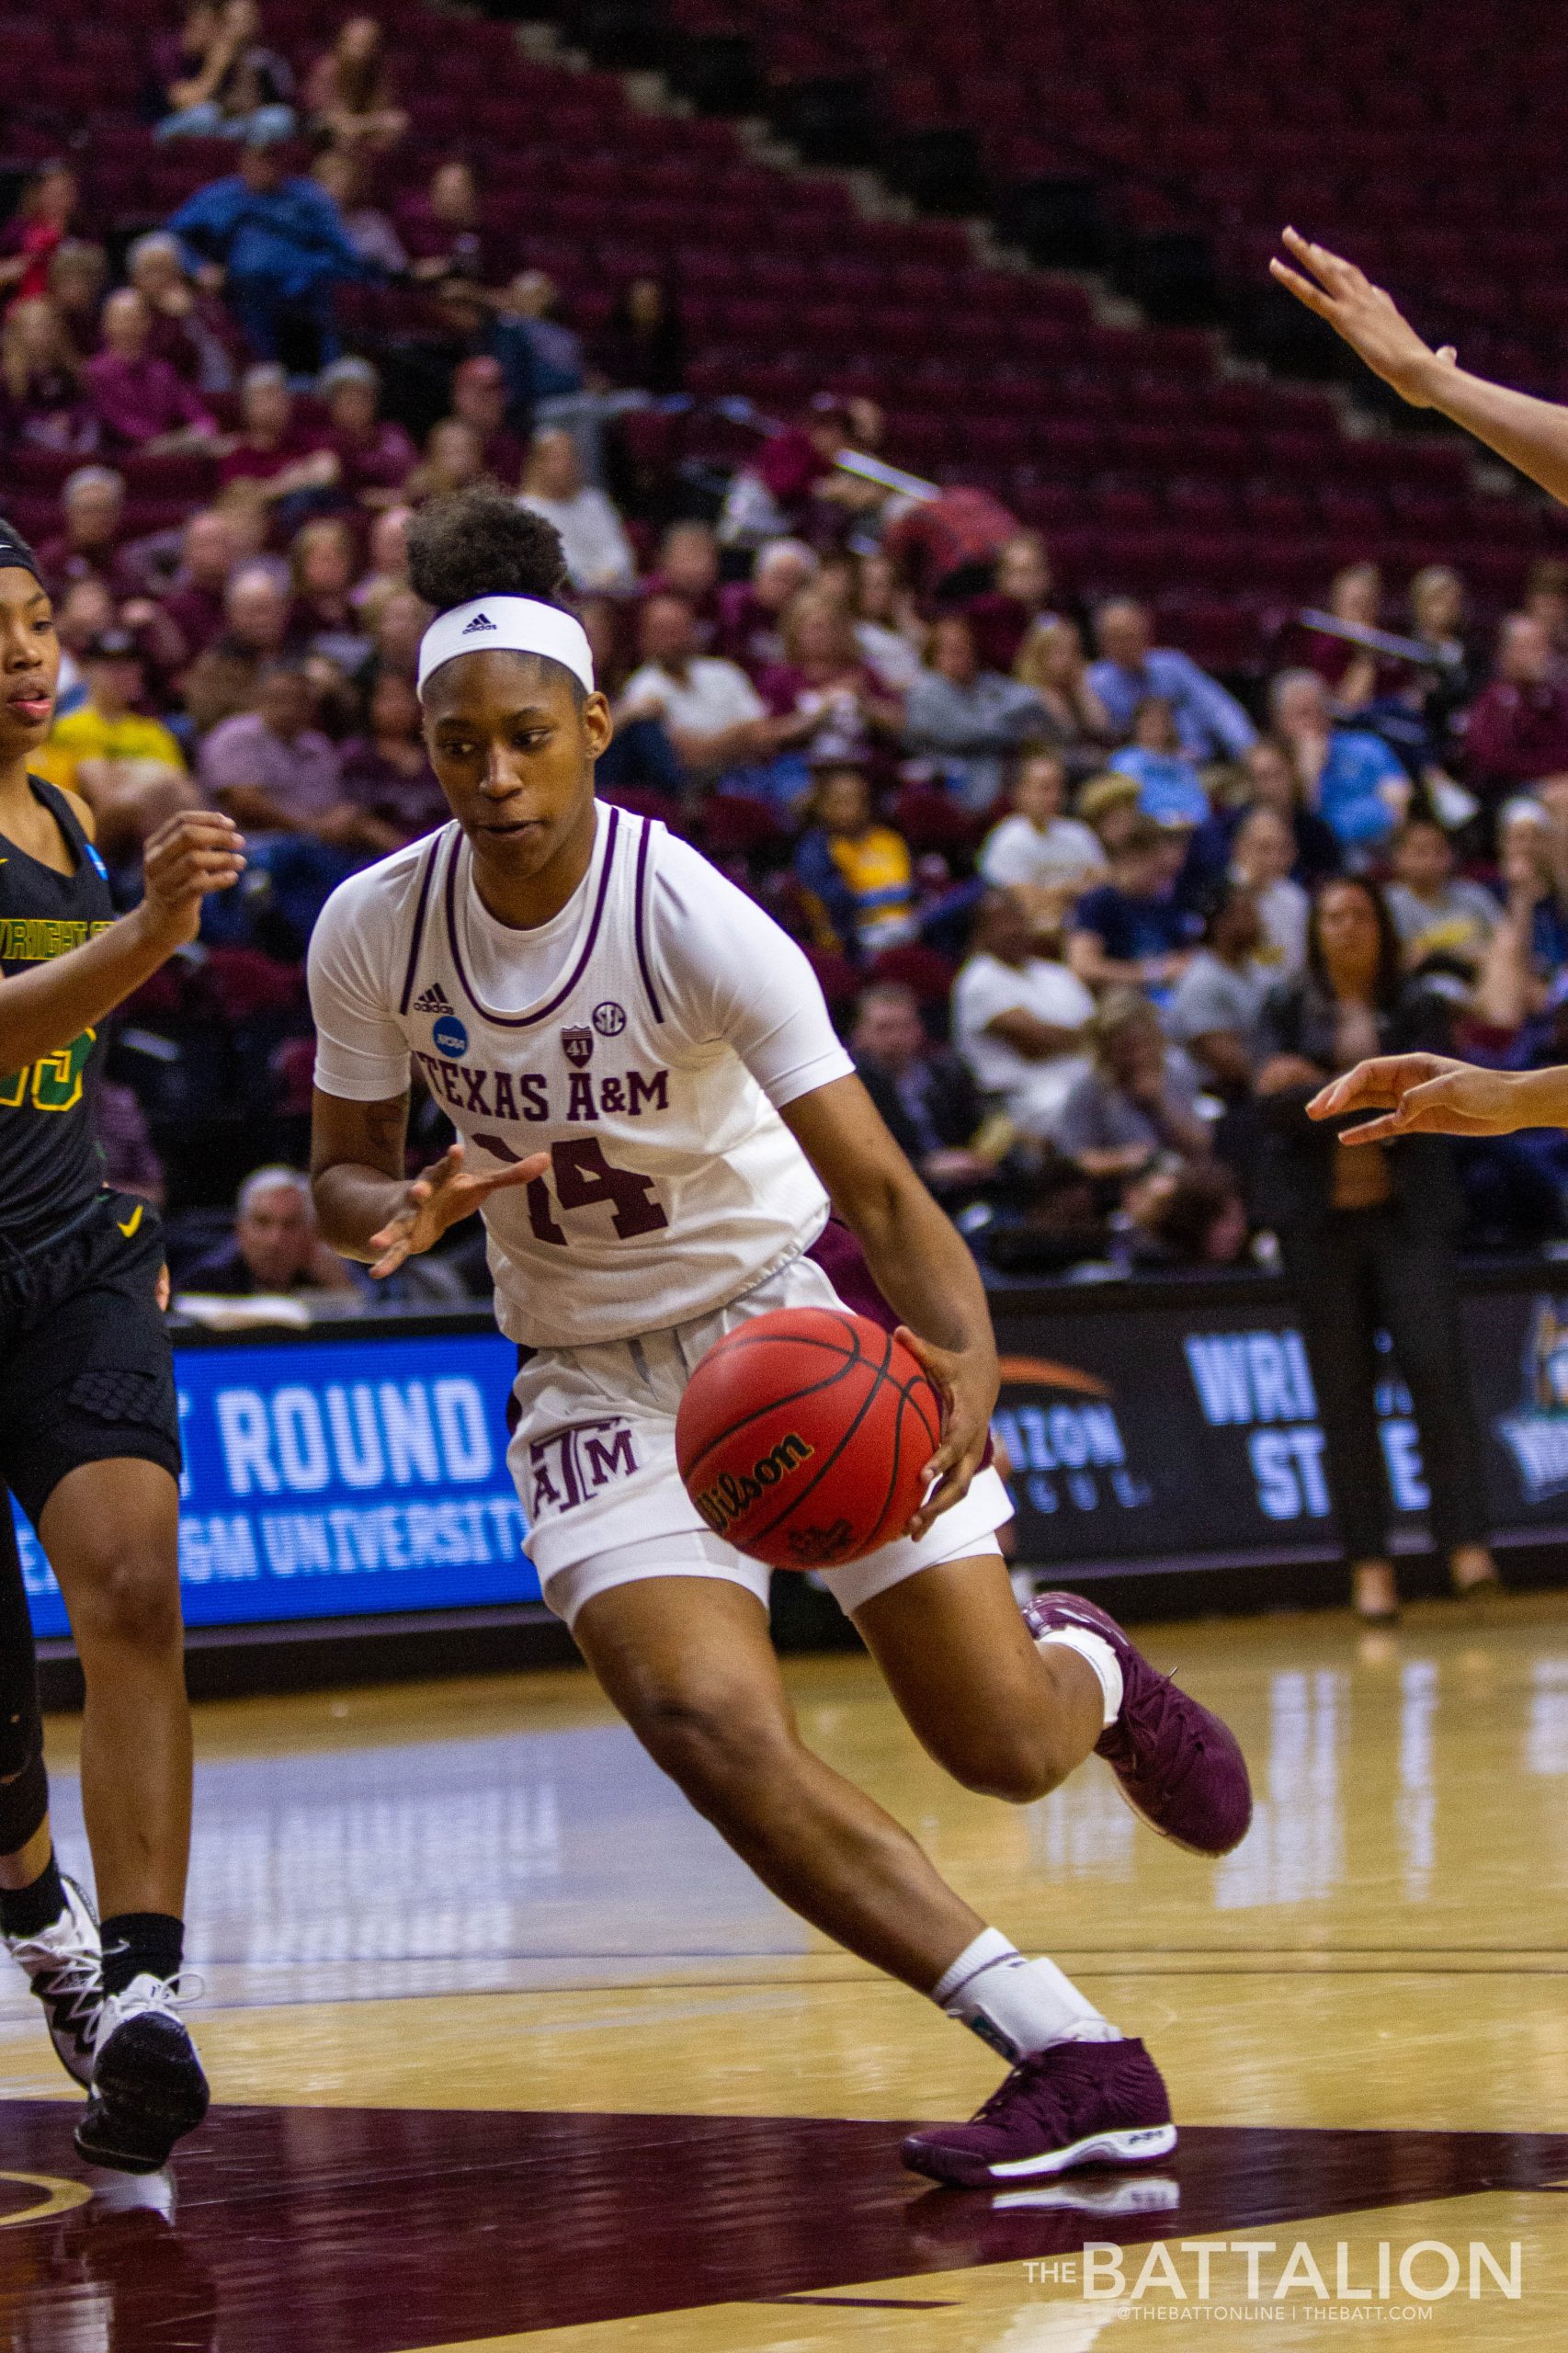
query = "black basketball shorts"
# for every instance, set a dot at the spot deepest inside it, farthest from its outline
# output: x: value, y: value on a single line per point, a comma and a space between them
x: 85, y: 1370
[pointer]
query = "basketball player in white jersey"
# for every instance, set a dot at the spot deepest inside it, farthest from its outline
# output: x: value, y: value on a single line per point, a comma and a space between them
x: 653, y: 1117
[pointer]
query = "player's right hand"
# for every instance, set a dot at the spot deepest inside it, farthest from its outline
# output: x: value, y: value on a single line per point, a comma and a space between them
x: 193, y: 852
x: 1428, y: 1095
x: 436, y: 1200
x: 1369, y: 319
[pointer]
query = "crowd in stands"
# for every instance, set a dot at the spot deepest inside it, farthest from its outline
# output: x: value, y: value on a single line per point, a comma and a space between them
x: 1062, y: 885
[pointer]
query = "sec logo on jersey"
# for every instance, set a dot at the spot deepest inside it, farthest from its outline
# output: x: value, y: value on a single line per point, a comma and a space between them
x: 610, y: 1018
x: 450, y: 1036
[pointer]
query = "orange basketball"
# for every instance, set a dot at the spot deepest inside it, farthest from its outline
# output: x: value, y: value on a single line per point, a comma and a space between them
x: 803, y: 1435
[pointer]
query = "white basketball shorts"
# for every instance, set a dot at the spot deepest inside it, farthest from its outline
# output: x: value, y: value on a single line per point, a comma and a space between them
x: 594, y: 1459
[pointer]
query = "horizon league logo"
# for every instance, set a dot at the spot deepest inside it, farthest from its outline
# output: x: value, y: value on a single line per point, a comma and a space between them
x: 1536, y: 1434
x: 1069, y: 1451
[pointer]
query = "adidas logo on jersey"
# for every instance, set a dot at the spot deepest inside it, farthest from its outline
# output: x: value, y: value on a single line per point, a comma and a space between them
x: 480, y: 620
x: 435, y: 1000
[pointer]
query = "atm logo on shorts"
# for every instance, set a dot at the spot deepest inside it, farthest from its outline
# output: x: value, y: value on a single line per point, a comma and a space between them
x: 730, y: 1498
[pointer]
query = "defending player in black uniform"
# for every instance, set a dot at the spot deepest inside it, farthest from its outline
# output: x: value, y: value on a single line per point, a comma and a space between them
x: 89, y: 1428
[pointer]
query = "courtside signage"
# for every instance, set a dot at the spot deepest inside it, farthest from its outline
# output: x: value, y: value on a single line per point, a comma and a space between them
x: 336, y: 1479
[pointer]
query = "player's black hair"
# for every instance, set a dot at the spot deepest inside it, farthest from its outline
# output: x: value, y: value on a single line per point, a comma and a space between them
x: 480, y: 543
x: 16, y: 552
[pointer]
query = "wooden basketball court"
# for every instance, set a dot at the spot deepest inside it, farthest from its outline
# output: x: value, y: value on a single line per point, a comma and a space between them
x: 509, y: 2051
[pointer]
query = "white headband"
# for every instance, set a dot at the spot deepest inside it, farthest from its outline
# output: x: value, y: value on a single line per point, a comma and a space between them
x: 514, y: 624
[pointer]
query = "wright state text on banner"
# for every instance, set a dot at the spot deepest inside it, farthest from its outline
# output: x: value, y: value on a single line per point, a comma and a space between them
x: 335, y: 1479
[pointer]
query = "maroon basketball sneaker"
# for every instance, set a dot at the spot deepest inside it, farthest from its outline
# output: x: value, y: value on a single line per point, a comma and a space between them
x: 1077, y: 2104
x: 1179, y: 1765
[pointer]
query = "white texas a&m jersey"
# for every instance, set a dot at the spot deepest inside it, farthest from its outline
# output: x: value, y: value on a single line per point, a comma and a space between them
x: 644, y: 1038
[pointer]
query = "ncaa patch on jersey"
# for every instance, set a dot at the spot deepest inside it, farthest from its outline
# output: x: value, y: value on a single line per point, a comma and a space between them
x: 450, y: 1036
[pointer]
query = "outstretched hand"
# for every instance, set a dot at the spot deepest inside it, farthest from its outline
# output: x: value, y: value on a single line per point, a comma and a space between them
x: 1420, y: 1095
x: 1370, y: 320
x: 193, y: 852
x: 966, y: 1381
x: 438, y: 1198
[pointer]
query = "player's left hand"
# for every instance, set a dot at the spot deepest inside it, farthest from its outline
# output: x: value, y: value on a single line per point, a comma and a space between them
x: 1369, y: 319
x: 967, y: 1382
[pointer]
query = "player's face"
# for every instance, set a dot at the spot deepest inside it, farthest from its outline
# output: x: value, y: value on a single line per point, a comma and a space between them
x: 514, y: 751
x: 29, y: 663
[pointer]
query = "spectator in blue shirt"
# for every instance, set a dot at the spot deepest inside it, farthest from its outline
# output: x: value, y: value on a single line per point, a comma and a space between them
x: 1130, y: 932
x: 1168, y: 789
x: 274, y: 243
x: 1210, y: 724
x: 1348, y: 775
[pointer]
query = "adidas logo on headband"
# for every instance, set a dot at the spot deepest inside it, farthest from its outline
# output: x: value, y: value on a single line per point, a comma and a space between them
x: 480, y: 620
x: 512, y: 624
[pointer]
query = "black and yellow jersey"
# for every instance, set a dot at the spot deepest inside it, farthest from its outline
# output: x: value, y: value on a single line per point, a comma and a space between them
x: 50, y: 1167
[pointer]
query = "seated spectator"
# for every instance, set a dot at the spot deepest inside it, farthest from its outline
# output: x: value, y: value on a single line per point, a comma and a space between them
x: 447, y: 234
x: 1052, y: 662
x: 713, y: 714
x: 1168, y: 789
x: 453, y: 460
x: 35, y: 233
x: 128, y: 768
x: 93, y: 502
x: 274, y: 1246
x: 271, y: 768
x: 1017, y: 602
x: 208, y: 552
x: 1348, y: 775
x: 479, y: 399
x: 388, y: 570
x: 1274, y: 782
x: 751, y: 612
x: 1210, y: 724
x: 966, y: 720
x: 1525, y: 958
x: 400, y: 624
x: 322, y: 618
x: 599, y: 553
x: 1438, y: 619
x: 1020, y: 1019
x: 140, y: 401
x: 542, y: 355
x: 341, y: 174
x: 929, y: 1101
x: 282, y: 457
x: 643, y: 347
x: 42, y: 402
x: 859, y: 874
x: 225, y: 83
x: 257, y: 610
x: 1516, y: 734
x: 840, y: 704
x: 1214, y: 1008
x: 1433, y: 913
x: 1262, y: 857
x: 272, y: 242
x: 187, y: 325
x: 351, y: 95
x: 1048, y: 859
x: 130, y: 1160
x: 1108, y: 806
x: 375, y: 456
x: 386, y: 772
x: 1353, y: 677
x: 77, y: 278
x: 1137, y: 1103
x: 85, y: 611
x: 888, y: 628
x: 1192, y: 1217
x: 687, y: 566
x: 1129, y: 932
x: 1546, y: 601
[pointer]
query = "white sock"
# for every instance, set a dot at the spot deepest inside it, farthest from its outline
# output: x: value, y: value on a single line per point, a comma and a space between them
x: 1100, y: 1656
x: 1016, y: 2005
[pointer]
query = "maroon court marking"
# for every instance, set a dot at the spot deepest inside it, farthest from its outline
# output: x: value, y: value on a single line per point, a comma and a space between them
x: 381, y: 2230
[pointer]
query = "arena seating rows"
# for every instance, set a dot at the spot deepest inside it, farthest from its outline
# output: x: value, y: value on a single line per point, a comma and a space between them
x: 1005, y: 380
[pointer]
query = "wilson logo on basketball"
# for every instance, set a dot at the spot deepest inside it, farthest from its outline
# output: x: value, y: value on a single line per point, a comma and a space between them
x: 731, y: 1498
